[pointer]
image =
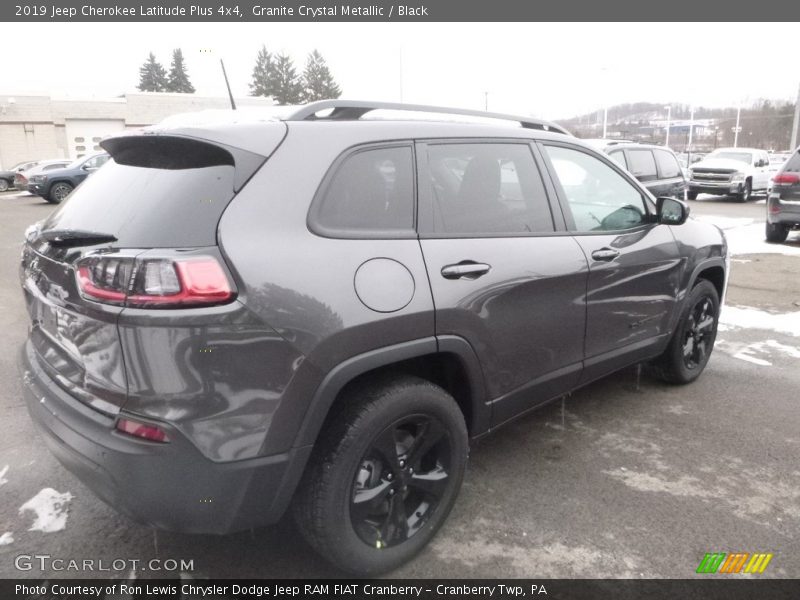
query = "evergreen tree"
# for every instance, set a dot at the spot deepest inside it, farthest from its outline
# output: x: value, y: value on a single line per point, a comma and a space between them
x: 152, y: 76
x: 263, y: 74
x: 285, y: 85
x: 178, y: 77
x: 317, y: 81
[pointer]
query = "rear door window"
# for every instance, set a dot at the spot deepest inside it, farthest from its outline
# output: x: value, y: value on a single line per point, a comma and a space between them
x: 668, y: 166
x: 642, y: 165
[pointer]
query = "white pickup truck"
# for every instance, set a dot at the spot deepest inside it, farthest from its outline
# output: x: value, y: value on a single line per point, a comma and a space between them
x: 730, y: 172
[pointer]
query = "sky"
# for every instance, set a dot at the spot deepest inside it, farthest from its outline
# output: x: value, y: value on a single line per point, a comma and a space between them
x: 547, y: 70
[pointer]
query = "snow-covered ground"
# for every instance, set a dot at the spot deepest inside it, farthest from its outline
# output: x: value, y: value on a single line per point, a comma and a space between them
x: 746, y: 236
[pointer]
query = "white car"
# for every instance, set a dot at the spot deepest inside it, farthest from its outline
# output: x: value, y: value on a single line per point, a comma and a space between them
x: 730, y: 172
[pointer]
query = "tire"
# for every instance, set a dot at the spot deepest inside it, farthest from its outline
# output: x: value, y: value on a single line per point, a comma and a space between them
x: 59, y: 192
x: 354, y: 457
x: 4, y: 185
x: 776, y: 233
x: 691, y: 195
x: 747, y: 193
x: 675, y: 365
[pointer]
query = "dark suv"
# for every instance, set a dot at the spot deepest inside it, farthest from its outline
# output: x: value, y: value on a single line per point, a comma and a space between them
x: 783, y: 200
x: 656, y: 167
x: 54, y: 186
x: 233, y: 318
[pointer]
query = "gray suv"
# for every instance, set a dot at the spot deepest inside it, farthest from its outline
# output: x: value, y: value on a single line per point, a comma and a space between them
x: 318, y: 312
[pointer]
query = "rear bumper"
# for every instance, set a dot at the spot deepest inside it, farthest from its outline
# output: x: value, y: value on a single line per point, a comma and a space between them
x: 170, y: 486
x: 785, y: 212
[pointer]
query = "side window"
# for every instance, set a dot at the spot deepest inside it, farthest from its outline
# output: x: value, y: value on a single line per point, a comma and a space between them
x: 642, y: 164
x: 101, y: 160
x: 619, y: 158
x: 487, y: 188
x: 667, y: 164
x: 372, y: 190
x: 52, y: 167
x: 599, y: 198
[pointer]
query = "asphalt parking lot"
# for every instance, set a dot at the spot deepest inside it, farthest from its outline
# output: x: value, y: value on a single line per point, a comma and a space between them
x: 625, y: 479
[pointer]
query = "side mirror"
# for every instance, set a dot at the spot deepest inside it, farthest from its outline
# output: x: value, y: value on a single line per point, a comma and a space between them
x: 671, y: 211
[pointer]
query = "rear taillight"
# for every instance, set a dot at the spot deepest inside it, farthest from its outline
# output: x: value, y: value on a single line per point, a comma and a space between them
x: 151, y: 433
x: 154, y: 283
x: 787, y: 178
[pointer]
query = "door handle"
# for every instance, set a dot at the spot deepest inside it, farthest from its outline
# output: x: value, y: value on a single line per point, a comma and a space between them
x: 605, y: 254
x: 465, y: 270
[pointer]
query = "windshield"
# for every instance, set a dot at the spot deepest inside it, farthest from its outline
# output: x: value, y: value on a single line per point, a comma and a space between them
x: 745, y: 157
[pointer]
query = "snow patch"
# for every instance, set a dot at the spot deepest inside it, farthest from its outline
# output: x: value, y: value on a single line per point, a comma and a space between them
x: 3, y: 475
x: 51, y: 510
x: 750, y: 352
x: 753, y: 318
x: 6, y: 539
x: 745, y: 236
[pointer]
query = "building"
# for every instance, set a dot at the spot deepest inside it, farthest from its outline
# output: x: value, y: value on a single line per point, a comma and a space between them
x: 40, y: 127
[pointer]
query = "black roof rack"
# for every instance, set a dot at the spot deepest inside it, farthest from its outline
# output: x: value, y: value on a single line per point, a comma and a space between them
x: 351, y: 110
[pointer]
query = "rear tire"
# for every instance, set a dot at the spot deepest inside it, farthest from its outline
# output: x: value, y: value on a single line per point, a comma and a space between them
x: 4, y: 185
x: 693, y: 341
x: 401, y: 447
x: 776, y: 233
x: 59, y: 192
x: 691, y: 195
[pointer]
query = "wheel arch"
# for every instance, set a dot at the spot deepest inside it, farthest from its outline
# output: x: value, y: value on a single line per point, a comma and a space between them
x: 447, y: 361
x: 712, y: 270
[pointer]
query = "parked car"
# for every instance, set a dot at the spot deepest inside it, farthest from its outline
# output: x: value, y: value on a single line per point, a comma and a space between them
x: 319, y: 313
x: 21, y: 178
x: 54, y: 186
x: 783, y: 203
x: 656, y: 167
x: 7, y: 177
x: 730, y: 172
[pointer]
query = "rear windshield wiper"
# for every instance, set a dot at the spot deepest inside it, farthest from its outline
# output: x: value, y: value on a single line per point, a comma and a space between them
x: 75, y: 237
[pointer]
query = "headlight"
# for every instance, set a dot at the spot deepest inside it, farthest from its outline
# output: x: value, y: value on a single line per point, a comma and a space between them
x: 738, y: 176
x: 38, y: 178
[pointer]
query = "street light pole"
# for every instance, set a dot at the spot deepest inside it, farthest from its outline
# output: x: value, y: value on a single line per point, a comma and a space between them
x: 669, y: 118
x: 737, y: 128
x: 691, y: 131
x: 796, y: 122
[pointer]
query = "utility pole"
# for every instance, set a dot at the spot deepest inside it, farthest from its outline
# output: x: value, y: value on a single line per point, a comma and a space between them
x: 691, y: 131
x: 669, y: 118
x: 737, y: 129
x: 796, y: 122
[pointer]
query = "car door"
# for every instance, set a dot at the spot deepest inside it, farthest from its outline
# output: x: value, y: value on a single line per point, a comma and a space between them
x: 504, y: 273
x: 634, y: 263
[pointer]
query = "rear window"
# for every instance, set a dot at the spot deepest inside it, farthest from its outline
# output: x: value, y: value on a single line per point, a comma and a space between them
x: 167, y: 197
x: 793, y: 164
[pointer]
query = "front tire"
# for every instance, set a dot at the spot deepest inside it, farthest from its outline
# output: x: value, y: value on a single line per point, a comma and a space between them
x: 691, y: 195
x: 383, y: 475
x: 747, y: 192
x: 690, y: 348
x: 59, y: 192
x: 776, y: 233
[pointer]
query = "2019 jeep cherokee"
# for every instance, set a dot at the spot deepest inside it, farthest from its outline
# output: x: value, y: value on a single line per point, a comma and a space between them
x: 319, y: 311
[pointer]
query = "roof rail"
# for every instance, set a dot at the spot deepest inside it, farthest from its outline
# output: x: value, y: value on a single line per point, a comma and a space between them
x: 351, y: 110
